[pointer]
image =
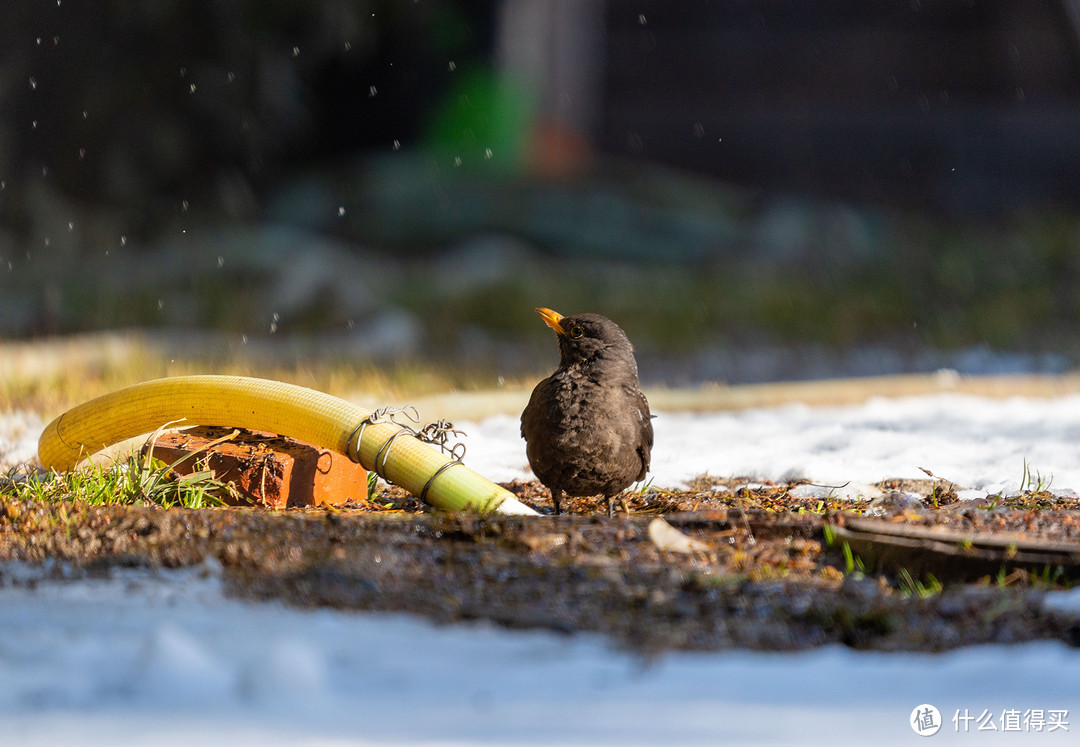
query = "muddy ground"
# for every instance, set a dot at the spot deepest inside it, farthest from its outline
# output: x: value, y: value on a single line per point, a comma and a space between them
x: 765, y: 570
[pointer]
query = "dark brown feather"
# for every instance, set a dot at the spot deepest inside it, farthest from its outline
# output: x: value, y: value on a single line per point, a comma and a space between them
x: 587, y: 427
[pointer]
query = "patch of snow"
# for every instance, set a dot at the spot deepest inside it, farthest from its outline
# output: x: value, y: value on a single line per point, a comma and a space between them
x: 19, y: 432
x: 976, y: 443
x: 161, y: 658
x: 1064, y: 602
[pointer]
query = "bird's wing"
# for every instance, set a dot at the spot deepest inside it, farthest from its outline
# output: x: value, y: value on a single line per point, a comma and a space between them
x: 645, y: 431
x: 531, y: 411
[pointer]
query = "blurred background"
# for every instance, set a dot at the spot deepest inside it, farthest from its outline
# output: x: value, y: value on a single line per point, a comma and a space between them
x: 755, y: 190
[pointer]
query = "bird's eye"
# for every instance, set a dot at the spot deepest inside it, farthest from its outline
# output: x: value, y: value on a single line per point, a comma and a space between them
x: 576, y: 332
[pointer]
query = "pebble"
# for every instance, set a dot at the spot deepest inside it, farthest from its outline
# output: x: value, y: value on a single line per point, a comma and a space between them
x: 896, y: 501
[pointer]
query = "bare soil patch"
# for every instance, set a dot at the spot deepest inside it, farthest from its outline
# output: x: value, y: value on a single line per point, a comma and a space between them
x: 765, y: 575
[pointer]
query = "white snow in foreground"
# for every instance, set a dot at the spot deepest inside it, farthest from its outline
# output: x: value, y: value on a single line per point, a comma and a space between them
x: 140, y: 658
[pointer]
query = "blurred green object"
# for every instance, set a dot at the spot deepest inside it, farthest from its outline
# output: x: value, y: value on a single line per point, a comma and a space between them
x: 485, y: 119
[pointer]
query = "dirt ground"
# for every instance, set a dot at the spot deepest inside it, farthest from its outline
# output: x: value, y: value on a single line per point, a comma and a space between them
x: 752, y: 568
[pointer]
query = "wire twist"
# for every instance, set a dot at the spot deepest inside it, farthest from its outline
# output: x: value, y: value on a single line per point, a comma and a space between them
x: 437, y: 434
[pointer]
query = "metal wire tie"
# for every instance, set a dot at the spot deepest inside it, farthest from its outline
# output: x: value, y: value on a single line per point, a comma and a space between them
x: 358, y: 431
x: 439, y: 471
x: 380, y: 415
x: 384, y: 452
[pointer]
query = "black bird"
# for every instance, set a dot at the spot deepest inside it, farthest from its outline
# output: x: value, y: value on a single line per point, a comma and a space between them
x: 587, y: 427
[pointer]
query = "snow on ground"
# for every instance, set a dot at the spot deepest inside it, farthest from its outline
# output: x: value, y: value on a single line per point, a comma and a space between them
x: 19, y: 433
x: 139, y: 658
x: 146, y: 659
x: 975, y: 442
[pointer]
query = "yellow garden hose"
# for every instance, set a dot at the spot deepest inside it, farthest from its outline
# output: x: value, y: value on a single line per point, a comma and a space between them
x: 259, y: 404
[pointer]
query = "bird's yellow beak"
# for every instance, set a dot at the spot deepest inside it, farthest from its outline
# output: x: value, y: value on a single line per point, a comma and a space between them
x: 551, y: 319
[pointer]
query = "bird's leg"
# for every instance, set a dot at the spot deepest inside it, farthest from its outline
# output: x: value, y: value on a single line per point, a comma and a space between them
x: 610, y: 506
x: 556, y: 497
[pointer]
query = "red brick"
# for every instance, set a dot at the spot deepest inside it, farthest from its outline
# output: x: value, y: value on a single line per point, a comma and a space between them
x: 270, y: 470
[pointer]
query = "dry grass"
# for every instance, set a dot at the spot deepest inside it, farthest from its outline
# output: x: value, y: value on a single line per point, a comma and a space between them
x: 51, y: 376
